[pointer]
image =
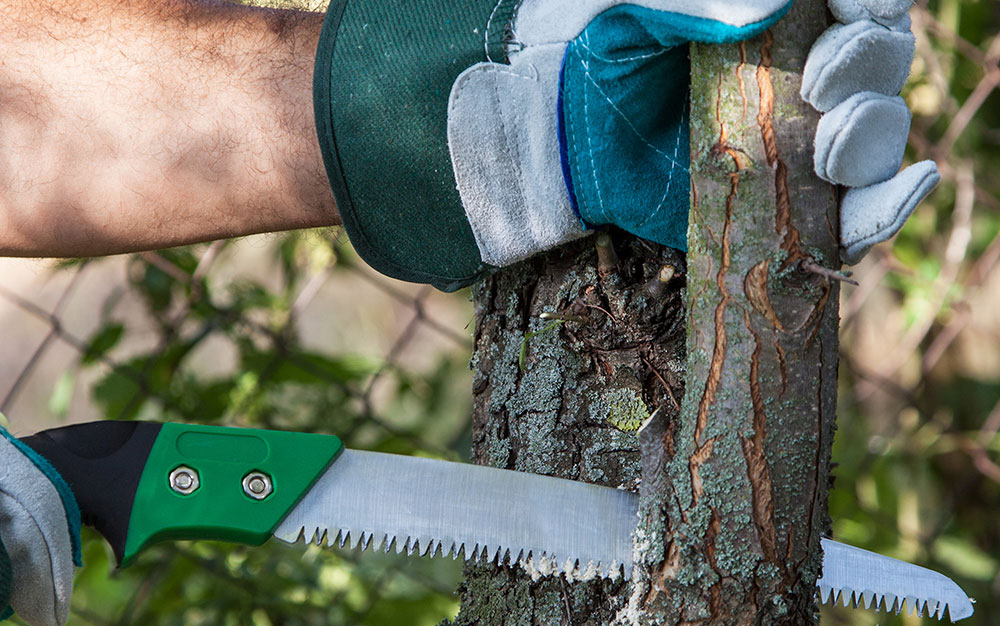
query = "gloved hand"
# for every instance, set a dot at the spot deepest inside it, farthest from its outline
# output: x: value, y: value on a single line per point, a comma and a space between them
x: 853, y: 74
x: 463, y: 136
x: 39, y: 537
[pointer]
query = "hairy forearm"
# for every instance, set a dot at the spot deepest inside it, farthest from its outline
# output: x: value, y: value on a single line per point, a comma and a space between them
x: 131, y: 125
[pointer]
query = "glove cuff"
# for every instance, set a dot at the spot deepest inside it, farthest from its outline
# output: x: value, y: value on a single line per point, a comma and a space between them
x: 62, y: 488
x: 40, y: 524
x: 383, y: 73
x: 6, y: 582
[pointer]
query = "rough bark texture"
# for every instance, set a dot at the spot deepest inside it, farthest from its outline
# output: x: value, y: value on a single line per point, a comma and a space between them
x: 614, y: 348
x: 750, y: 462
x: 733, y: 469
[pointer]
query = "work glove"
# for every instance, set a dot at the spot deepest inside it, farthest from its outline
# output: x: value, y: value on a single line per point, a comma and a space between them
x: 463, y: 136
x: 853, y: 74
x: 39, y: 537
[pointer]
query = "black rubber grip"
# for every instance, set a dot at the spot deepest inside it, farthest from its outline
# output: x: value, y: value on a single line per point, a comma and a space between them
x: 102, y: 463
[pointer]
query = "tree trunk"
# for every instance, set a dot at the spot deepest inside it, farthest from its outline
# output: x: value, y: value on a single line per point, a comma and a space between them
x: 733, y: 468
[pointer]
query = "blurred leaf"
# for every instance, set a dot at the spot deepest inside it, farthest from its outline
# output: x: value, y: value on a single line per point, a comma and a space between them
x: 62, y: 394
x: 302, y: 366
x: 964, y: 558
x: 249, y: 295
x: 105, y: 339
x: 425, y: 610
x: 154, y: 285
x: 115, y: 393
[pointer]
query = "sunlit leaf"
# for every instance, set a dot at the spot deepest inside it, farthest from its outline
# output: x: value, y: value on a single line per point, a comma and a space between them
x: 62, y: 394
x: 965, y: 559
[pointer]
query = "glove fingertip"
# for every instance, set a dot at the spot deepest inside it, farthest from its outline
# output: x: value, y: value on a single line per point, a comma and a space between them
x: 848, y: 11
x: 861, y: 142
x: 873, y: 214
x: 846, y: 60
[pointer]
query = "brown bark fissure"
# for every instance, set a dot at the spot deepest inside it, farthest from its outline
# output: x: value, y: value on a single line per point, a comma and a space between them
x: 758, y: 470
x: 716, y: 605
x: 782, y: 367
x: 719, y: 352
x: 743, y: 85
x: 765, y: 119
x: 755, y: 288
x: 732, y: 470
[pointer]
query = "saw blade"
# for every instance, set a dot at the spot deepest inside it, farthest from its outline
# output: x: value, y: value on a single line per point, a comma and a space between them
x: 861, y: 578
x: 549, y: 525
x: 427, y: 506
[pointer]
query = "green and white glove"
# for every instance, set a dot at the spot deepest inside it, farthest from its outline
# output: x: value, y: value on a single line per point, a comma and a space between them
x: 40, y: 537
x: 464, y: 135
x: 460, y: 135
x: 854, y: 74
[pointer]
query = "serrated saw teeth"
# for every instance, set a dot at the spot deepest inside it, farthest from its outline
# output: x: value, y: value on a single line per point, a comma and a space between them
x: 888, y: 603
x: 845, y: 597
x: 536, y: 563
x: 935, y: 609
x: 825, y: 591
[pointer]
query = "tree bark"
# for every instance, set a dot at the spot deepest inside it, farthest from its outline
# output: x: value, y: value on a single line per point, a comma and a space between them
x: 734, y: 349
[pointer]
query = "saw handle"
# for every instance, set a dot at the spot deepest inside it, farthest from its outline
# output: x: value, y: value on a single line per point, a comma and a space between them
x: 102, y: 463
x: 141, y: 483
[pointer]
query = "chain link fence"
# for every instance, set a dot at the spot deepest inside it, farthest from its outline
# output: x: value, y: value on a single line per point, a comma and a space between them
x: 292, y: 332
x: 285, y: 331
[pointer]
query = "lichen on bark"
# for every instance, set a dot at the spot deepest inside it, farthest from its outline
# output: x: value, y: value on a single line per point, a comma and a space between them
x: 617, y: 355
x: 750, y: 465
x: 736, y: 353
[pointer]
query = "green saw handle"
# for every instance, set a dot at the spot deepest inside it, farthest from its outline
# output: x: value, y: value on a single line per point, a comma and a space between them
x: 140, y: 483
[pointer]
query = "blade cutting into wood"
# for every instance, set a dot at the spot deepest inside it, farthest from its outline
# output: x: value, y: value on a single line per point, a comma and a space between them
x: 548, y: 525
x: 861, y: 578
x: 428, y: 506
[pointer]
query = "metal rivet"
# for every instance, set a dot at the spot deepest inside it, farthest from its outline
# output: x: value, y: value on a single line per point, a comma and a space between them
x: 184, y: 480
x: 257, y: 485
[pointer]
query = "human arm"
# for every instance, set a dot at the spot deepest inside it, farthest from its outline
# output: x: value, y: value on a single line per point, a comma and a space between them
x: 129, y: 126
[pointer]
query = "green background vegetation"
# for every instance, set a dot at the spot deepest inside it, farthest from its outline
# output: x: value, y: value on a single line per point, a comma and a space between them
x: 918, y: 450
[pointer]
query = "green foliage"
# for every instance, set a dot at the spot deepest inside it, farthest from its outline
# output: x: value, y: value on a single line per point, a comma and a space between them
x: 62, y: 394
x: 918, y: 474
x: 273, y: 380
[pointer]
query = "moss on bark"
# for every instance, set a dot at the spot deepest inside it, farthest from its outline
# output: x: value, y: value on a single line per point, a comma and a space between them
x: 733, y: 469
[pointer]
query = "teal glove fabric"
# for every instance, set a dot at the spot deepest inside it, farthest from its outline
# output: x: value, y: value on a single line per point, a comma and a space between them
x: 624, y: 117
x: 460, y: 136
x: 40, y: 533
x: 464, y: 136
